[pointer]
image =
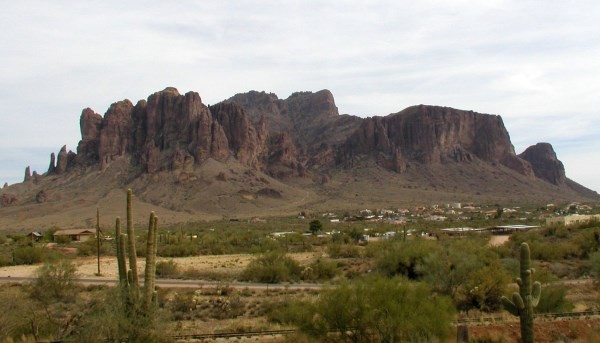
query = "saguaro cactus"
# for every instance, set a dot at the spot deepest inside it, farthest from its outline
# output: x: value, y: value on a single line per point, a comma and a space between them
x: 98, y: 238
x: 131, y: 243
x: 150, y: 273
x: 526, y: 300
x: 128, y: 277
x: 121, y: 263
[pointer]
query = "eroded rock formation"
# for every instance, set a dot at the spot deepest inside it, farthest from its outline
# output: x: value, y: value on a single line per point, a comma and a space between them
x: 290, y: 137
x: 545, y: 164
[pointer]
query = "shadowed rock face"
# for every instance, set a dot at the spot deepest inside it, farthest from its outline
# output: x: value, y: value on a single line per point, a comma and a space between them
x: 434, y: 135
x: 165, y: 132
x: 545, y: 164
x: 290, y: 137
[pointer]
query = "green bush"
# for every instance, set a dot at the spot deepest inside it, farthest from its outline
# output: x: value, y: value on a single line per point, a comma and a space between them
x: 167, y: 269
x: 272, y: 267
x: 338, y: 250
x: 28, y: 255
x: 55, y: 281
x: 376, y: 309
x: 594, y: 266
x: 321, y: 269
x: 90, y: 248
x: 402, y: 258
x: 178, y: 250
x: 553, y: 299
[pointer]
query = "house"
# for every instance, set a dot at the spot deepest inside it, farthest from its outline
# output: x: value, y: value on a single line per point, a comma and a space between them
x: 35, y: 236
x: 78, y: 235
x: 572, y: 219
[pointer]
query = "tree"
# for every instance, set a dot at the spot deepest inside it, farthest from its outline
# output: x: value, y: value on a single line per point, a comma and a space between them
x: 315, y: 226
x: 55, y: 281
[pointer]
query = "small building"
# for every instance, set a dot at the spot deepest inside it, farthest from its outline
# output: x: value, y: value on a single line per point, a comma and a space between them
x: 461, y: 231
x: 35, y: 236
x: 572, y: 219
x: 76, y: 235
x: 508, y: 229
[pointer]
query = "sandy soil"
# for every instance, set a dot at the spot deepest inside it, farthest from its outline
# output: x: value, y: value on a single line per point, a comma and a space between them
x: 88, y: 267
x: 499, y: 240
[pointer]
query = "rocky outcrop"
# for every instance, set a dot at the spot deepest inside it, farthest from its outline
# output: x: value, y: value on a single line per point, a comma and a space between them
x: 433, y: 135
x: 5, y: 185
x: 168, y: 131
x: 27, y: 177
x: 41, y: 197
x: 247, y: 142
x: 62, y: 161
x: 295, y: 137
x: 90, y: 124
x: 52, y: 165
x: 545, y: 164
x: 7, y: 199
x: 283, y: 159
x: 36, y: 177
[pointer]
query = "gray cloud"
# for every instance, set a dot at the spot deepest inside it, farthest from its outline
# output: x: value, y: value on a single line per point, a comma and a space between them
x: 534, y: 63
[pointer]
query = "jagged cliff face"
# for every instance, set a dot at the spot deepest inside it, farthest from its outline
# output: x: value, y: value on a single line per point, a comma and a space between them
x: 169, y: 131
x: 290, y: 137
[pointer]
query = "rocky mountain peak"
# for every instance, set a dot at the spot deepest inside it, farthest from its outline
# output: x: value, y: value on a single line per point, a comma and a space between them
x: 300, y: 136
x: 545, y: 164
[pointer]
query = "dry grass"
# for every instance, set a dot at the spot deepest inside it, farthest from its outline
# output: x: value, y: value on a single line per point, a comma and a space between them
x: 203, y: 265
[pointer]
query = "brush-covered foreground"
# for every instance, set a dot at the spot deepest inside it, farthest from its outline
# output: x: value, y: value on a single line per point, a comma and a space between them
x: 375, y: 280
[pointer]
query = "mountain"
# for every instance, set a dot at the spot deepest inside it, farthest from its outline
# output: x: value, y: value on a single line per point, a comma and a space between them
x: 255, y: 154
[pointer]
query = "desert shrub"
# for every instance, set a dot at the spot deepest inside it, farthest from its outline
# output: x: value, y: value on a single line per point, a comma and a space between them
x: 553, y: 299
x: 178, y: 250
x: 594, y: 267
x: 320, y: 269
x: 14, y: 308
x: 403, y: 257
x: 338, y: 250
x: 376, y: 309
x: 90, y: 248
x: 482, y: 289
x: 272, y: 267
x: 106, y: 319
x: 55, y: 281
x: 166, y: 269
x: 182, y: 304
x: 29, y: 255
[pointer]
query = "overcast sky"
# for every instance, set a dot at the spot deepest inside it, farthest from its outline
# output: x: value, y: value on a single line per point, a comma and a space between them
x: 535, y: 63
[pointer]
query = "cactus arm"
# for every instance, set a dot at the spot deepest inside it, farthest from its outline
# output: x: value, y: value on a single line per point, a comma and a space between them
x: 518, y: 301
x: 98, y: 237
x: 536, y: 293
x: 120, y: 241
x: 519, y: 282
x: 131, y: 242
x: 150, y: 260
x: 509, y: 306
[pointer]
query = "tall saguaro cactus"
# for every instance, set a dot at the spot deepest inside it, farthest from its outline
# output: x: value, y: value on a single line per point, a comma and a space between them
x: 150, y: 273
x: 128, y: 278
x: 131, y: 243
x: 526, y: 300
x: 98, y: 238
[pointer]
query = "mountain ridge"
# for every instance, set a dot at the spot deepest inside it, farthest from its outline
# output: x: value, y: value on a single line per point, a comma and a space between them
x: 258, y: 150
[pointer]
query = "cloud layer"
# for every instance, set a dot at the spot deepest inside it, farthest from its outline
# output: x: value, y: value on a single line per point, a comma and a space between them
x: 535, y: 63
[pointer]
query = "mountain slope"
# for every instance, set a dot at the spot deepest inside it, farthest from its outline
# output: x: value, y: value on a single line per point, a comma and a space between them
x: 255, y: 154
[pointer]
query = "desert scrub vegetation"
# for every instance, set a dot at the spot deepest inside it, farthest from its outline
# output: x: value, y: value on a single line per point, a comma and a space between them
x: 276, y: 266
x: 373, y: 309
